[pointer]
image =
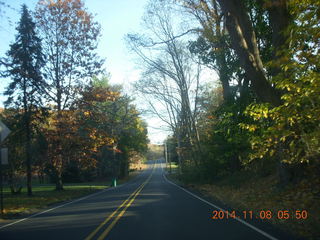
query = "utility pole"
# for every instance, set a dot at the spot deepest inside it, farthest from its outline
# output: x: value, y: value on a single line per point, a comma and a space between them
x: 165, y: 153
x: 169, y: 160
x: 167, y: 156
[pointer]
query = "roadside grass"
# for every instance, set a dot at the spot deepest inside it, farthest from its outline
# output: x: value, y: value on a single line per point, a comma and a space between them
x: 45, y: 195
x: 173, y: 166
x: 242, y: 191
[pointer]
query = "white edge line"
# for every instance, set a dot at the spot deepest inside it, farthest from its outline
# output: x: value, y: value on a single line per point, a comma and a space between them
x: 62, y: 205
x: 221, y: 209
x: 65, y: 204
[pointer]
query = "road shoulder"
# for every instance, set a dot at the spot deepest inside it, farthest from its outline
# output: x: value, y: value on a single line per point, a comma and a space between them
x: 263, y: 225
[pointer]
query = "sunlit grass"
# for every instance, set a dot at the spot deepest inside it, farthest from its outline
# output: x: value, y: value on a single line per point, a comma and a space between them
x: 45, y: 195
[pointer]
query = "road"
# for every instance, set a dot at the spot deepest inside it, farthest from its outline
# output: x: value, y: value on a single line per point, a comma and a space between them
x: 148, y: 207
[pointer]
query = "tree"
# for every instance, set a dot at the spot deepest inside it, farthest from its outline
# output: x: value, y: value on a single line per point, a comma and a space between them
x: 24, y: 62
x: 69, y: 41
x: 224, y: 144
x: 132, y: 139
x: 69, y: 36
x: 244, y: 41
x: 237, y: 18
x: 293, y: 126
x: 109, y: 130
x: 213, y: 44
x: 171, y: 77
x: 93, y: 122
x: 13, y: 118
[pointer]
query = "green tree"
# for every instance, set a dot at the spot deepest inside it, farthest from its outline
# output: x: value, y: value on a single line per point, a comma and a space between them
x: 24, y: 61
x: 110, y: 130
x: 292, y: 127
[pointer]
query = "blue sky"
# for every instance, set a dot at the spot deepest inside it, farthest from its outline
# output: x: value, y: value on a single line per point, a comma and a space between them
x: 117, y: 18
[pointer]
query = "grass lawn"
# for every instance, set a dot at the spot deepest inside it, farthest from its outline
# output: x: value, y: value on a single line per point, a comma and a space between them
x: 45, y: 195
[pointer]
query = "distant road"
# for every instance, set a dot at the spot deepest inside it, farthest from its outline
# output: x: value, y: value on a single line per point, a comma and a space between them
x: 147, y: 208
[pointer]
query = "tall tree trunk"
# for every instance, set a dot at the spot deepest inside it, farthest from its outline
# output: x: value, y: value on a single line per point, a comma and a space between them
x: 244, y: 42
x: 280, y: 20
x: 179, y: 153
x: 60, y: 160
x: 58, y: 168
x: 28, y: 155
x: 28, y: 137
x: 58, y: 181
x: 59, y: 157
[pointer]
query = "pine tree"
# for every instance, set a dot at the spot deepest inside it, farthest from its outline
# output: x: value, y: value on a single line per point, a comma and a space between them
x: 23, y: 64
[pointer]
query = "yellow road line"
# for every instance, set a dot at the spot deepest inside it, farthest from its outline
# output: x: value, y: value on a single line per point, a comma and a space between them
x: 132, y: 197
x: 105, y: 233
x: 108, y: 219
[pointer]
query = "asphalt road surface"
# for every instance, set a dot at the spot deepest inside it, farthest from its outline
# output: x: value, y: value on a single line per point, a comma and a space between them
x: 148, y: 207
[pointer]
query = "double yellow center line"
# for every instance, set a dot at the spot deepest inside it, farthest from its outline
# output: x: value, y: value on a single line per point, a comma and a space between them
x: 124, y: 205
